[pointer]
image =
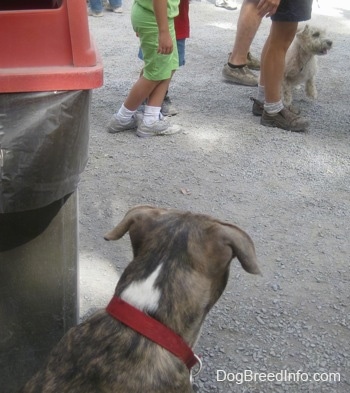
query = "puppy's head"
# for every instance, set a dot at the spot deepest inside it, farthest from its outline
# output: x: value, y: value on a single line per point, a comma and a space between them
x: 210, y: 244
x: 181, y: 264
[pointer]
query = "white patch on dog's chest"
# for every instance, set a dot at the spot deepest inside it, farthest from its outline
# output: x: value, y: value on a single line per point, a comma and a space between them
x: 142, y: 294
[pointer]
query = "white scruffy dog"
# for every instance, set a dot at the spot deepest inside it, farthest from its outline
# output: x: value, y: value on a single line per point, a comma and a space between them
x: 301, y: 61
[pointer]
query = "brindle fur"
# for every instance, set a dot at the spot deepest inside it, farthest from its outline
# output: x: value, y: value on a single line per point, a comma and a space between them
x: 101, y: 355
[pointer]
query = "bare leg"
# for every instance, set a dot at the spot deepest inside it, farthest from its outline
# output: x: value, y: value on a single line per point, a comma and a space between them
x: 145, y: 88
x: 237, y: 69
x: 247, y: 26
x: 273, y: 58
x: 271, y: 76
x: 156, y: 98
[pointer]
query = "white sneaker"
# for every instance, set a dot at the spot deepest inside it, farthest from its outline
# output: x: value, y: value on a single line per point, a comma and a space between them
x: 95, y: 13
x: 158, y: 128
x: 117, y: 10
x: 227, y: 4
x: 115, y: 125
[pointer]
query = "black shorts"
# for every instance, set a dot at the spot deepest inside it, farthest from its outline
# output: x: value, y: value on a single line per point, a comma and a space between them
x: 293, y: 11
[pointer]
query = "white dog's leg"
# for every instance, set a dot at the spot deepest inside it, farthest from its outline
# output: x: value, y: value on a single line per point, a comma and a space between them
x: 310, y: 88
x: 287, y: 93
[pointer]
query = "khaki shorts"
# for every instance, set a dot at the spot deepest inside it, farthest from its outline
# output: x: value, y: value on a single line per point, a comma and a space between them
x: 157, y: 67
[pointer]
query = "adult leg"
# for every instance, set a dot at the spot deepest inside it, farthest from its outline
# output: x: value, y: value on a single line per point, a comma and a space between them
x: 271, y: 76
x: 236, y: 70
x: 273, y: 58
x: 247, y: 26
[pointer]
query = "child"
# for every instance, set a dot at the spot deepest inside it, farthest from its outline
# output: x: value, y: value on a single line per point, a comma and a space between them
x: 182, y: 31
x: 153, y: 22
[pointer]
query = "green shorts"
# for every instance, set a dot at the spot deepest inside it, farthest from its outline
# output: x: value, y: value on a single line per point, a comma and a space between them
x: 157, y: 67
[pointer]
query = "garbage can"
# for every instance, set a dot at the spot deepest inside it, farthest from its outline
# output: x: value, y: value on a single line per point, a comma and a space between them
x: 48, y: 68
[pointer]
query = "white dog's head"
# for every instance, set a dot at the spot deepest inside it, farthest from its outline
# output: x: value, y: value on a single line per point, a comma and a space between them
x: 314, y: 40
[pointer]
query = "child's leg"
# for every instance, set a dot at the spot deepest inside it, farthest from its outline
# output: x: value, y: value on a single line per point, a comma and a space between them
x: 155, y: 100
x: 168, y: 108
x: 141, y: 90
x: 125, y: 118
x: 157, y: 96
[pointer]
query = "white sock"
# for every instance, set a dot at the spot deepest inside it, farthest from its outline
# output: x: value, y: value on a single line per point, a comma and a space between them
x: 151, y: 114
x: 124, y: 114
x: 261, y: 94
x: 272, y: 108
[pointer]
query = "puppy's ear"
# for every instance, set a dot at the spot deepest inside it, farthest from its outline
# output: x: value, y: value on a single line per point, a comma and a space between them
x: 242, y: 247
x: 124, y: 226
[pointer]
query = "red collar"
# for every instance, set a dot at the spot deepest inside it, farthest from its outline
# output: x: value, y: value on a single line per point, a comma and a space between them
x: 152, y: 329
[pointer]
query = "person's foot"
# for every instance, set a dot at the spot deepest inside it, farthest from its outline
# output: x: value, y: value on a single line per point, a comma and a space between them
x: 95, y: 13
x: 258, y: 107
x: 253, y: 63
x: 286, y: 120
x: 227, y: 4
x: 117, y: 10
x: 168, y: 108
x: 240, y: 76
x: 115, y: 125
x: 158, y: 128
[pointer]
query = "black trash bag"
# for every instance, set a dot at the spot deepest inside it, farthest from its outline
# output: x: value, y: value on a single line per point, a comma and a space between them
x: 43, y: 147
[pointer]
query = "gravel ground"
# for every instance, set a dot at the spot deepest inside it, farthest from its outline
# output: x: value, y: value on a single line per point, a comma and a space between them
x: 289, y: 191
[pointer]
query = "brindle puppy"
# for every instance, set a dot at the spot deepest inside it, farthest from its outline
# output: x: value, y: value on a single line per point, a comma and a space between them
x: 180, y: 269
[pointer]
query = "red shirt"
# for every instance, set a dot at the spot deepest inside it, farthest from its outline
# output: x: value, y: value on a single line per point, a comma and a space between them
x: 182, y: 21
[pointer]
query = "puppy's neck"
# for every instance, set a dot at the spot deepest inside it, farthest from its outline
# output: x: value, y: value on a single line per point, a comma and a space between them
x: 179, y: 298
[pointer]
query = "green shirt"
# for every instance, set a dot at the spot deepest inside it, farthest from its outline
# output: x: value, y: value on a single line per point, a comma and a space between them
x: 173, y: 6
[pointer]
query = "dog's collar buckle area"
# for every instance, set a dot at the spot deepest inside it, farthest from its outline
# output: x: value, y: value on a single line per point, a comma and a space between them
x: 154, y: 331
x: 193, y: 374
